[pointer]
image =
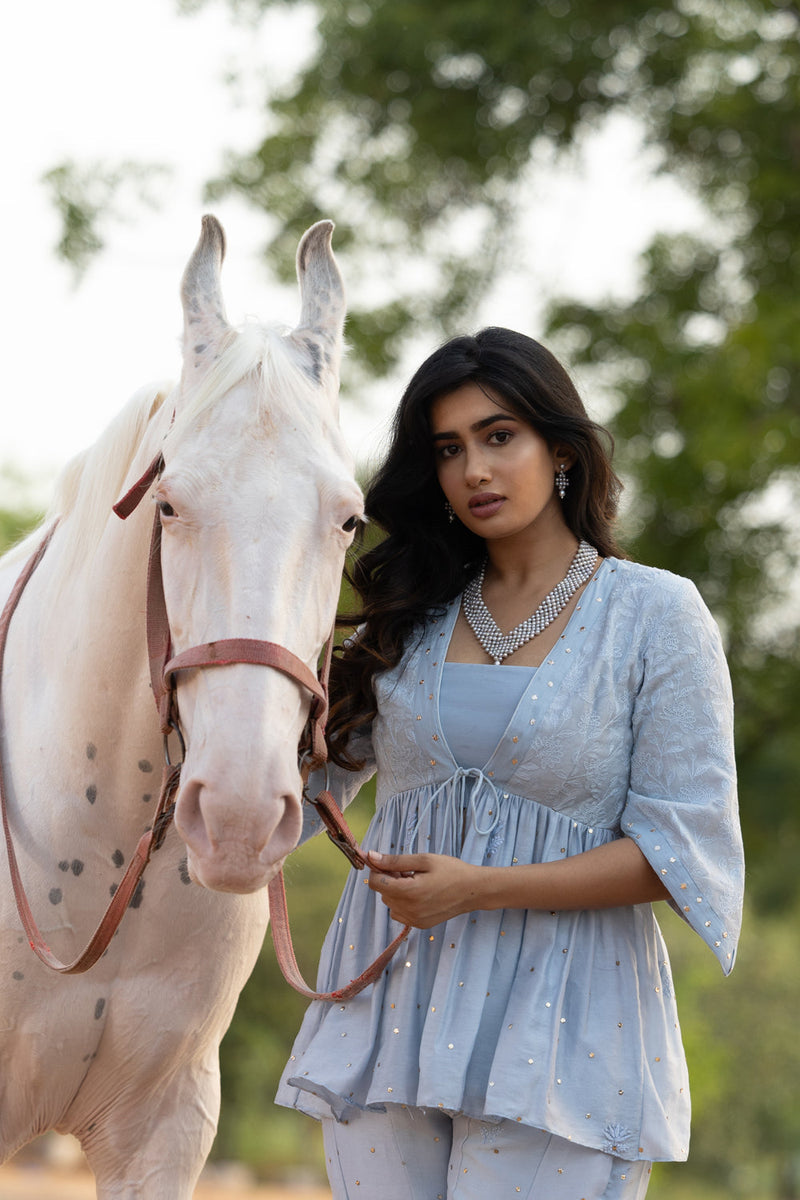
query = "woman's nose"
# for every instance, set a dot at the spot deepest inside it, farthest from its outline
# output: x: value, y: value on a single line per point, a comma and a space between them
x: 476, y: 468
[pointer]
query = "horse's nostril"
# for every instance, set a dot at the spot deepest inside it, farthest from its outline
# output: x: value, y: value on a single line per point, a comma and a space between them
x: 286, y: 834
x: 189, y: 821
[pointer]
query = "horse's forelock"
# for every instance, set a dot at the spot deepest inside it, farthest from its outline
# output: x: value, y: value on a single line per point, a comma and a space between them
x: 265, y: 354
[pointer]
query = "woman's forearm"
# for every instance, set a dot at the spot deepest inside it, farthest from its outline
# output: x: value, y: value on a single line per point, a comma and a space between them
x: 606, y: 877
x: 424, y: 889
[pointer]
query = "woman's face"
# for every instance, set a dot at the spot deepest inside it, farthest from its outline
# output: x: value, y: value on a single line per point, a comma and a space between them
x: 497, y: 472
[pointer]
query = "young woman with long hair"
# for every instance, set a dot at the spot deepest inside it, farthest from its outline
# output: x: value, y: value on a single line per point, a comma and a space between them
x: 525, y: 1040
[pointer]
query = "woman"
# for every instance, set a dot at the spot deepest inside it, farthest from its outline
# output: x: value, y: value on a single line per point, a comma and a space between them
x: 524, y: 1041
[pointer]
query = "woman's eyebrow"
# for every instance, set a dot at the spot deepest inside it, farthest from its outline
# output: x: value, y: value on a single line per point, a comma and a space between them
x: 477, y: 427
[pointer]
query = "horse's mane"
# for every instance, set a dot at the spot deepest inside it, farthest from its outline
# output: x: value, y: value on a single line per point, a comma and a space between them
x: 94, y: 479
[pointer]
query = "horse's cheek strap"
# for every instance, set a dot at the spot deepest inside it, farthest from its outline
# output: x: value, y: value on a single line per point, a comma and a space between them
x: 158, y: 635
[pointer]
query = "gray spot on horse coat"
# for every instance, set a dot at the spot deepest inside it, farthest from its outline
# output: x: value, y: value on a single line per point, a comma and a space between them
x: 76, y: 866
x: 145, y: 766
x: 183, y: 871
x: 91, y: 751
x: 91, y: 793
x: 98, y: 1009
x: 18, y: 975
x: 56, y: 895
x: 147, y: 797
x: 118, y: 858
x: 63, y: 865
x: 112, y: 889
x: 136, y: 898
x: 200, y: 348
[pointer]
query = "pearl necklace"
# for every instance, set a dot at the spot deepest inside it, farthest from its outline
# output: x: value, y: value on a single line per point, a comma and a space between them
x: 499, y: 645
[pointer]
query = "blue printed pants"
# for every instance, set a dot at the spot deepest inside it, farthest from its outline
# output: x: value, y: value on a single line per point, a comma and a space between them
x: 420, y: 1154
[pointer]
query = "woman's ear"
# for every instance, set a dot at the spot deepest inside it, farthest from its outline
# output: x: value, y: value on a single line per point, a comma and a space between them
x: 564, y: 456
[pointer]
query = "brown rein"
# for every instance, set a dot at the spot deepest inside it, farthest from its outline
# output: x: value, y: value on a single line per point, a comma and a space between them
x: 163, y: 667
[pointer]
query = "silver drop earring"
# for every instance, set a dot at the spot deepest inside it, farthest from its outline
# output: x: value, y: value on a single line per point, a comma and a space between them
x: 448, y: 508
x: 562, y: 483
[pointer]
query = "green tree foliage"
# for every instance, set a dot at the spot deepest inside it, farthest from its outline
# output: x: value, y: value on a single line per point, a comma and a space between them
x: 412, y: 125
x: 15, y: 519
x: 743, y: 1060
x: 88, y: 196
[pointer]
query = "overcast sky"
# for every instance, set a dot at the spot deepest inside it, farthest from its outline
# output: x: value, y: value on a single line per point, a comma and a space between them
x: 109, y: 80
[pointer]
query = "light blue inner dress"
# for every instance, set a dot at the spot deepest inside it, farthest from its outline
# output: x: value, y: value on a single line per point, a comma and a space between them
x: 476, y: 703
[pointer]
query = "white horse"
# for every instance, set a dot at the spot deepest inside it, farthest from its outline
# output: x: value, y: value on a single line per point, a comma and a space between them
x: 256, y: 502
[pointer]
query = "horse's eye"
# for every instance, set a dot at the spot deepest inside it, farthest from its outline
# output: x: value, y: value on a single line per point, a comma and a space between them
x: 350, y: 524
x: 166, y: 509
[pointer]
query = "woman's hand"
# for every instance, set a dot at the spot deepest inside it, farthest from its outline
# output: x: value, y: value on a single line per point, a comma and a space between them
x: 423, y: 890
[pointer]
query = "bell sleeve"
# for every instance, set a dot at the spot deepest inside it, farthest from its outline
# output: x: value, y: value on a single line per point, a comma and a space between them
x: 681, y: 806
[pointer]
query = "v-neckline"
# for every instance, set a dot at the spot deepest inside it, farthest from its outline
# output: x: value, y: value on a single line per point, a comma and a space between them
x: 558, y: 661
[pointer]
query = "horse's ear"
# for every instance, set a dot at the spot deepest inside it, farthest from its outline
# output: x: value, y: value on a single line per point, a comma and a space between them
x: 322, y: 312
x: 204, y: 323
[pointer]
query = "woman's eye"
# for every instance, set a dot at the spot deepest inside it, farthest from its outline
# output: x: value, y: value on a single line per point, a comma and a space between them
x: 448, y: 451
x: 350, y: 524
x: 166, y: 509
x: 501, y: 436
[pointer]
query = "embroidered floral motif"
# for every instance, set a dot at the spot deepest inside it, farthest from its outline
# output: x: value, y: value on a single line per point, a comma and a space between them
x: 615, y: 1139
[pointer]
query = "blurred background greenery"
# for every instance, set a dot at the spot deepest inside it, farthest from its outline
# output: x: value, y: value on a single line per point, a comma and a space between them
x: 420, y: 129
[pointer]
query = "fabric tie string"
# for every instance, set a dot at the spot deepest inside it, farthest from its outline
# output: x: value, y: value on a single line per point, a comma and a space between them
x: 461, y: 801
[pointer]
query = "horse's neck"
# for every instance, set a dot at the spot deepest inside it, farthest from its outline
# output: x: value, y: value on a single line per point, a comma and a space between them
x: 76, y: 681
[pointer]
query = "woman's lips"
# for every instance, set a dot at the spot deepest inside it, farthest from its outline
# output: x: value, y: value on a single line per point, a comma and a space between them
x: 486, y: 504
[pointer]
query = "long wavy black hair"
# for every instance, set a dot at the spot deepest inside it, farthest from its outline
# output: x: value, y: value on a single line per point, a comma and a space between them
x: 424, y: 562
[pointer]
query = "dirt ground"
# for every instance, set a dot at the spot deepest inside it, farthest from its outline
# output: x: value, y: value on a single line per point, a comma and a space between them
x: 36, y: 1182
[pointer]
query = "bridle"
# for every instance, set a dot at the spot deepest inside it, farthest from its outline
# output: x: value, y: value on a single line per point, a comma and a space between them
x: 164, y: 666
